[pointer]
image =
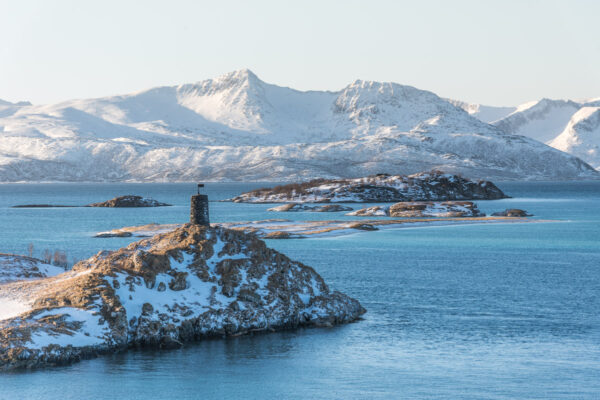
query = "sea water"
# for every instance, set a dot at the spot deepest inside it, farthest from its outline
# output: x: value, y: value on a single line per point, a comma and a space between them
x: 497, y: 311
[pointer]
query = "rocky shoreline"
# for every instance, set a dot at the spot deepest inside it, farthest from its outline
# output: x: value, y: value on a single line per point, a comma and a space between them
x: 289, y: 229
x: 191, y: 283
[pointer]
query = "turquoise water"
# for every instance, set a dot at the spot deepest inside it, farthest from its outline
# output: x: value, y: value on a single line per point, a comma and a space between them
x: 499, y: 311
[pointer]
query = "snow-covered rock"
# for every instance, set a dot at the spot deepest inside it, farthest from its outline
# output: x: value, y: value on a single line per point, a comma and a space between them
x: 420, y: 209
x: 16, y: 268
x: 375, y: 211
x: 188, y: 284
x: 294, y: 207
x: 435, y: 209
x: 20, y: 268
x: 237, y: 127
x: 434, y: 185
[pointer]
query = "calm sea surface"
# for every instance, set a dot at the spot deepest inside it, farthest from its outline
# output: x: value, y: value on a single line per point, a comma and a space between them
x: 506, y: 311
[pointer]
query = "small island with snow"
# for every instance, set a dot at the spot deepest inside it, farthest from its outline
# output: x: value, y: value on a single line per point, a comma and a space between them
x: 190, y: 283
x: 380, y: 188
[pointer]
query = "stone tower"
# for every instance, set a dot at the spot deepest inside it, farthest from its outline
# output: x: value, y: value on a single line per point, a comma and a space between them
x: 199, y: 209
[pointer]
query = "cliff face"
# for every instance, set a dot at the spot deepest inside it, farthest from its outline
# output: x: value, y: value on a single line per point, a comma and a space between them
x: 185, y: 285
x: 428, y: 186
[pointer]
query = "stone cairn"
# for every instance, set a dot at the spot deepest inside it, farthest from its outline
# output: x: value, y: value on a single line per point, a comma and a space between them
x: 199, y: 208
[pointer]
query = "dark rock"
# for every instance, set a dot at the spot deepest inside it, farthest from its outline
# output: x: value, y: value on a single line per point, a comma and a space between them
x: 364, y: 227
x: 447, y: 209
x: 512, y: 212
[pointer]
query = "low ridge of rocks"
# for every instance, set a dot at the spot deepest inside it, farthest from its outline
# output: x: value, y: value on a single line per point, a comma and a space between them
x: 448, y: 209
x: 295, y: 207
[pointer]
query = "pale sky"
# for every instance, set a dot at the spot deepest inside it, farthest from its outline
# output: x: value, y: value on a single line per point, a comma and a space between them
x: 492, y: 52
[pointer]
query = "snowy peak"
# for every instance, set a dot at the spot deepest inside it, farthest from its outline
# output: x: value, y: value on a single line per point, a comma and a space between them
x: 581, y: 137
x: 541, y: 120
x: 376, y: 107
x: 236, y: 99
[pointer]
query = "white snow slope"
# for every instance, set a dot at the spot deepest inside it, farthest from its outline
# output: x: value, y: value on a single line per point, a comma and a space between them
x: 237, y: 127
x: 581, y: 137
x: 482, y: 112
x: 563, y: 124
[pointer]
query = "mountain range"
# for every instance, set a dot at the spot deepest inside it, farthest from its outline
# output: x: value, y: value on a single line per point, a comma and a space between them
x: 237, y: 127
x: 567, y: 125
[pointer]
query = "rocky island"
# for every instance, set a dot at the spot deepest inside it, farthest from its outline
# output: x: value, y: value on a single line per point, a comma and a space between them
x: 129, y: 201
x: 188, y: 284
x: 512, y: 212
x: 419, y: 209
x: 381, y: 188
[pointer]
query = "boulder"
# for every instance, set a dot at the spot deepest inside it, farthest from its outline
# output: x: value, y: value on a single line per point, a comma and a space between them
x: 512, y: 212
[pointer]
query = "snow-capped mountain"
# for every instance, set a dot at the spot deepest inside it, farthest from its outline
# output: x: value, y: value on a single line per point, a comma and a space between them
x: 542, y: 120
x: 237, y: 127
x: 482, y: 112
x: 563, y: 124
x: 581, y: 137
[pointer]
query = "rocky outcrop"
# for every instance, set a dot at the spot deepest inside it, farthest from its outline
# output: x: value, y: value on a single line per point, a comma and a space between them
x: 429, y: 186
x: 291, y: 207
x: 447, y: 209
x: 431, y: 209
x: 192, y: 283
x: 129, y: 201
x: 512, y: 212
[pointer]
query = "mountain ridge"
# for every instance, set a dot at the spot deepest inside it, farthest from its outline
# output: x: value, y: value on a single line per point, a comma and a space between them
x: 237, y: 127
